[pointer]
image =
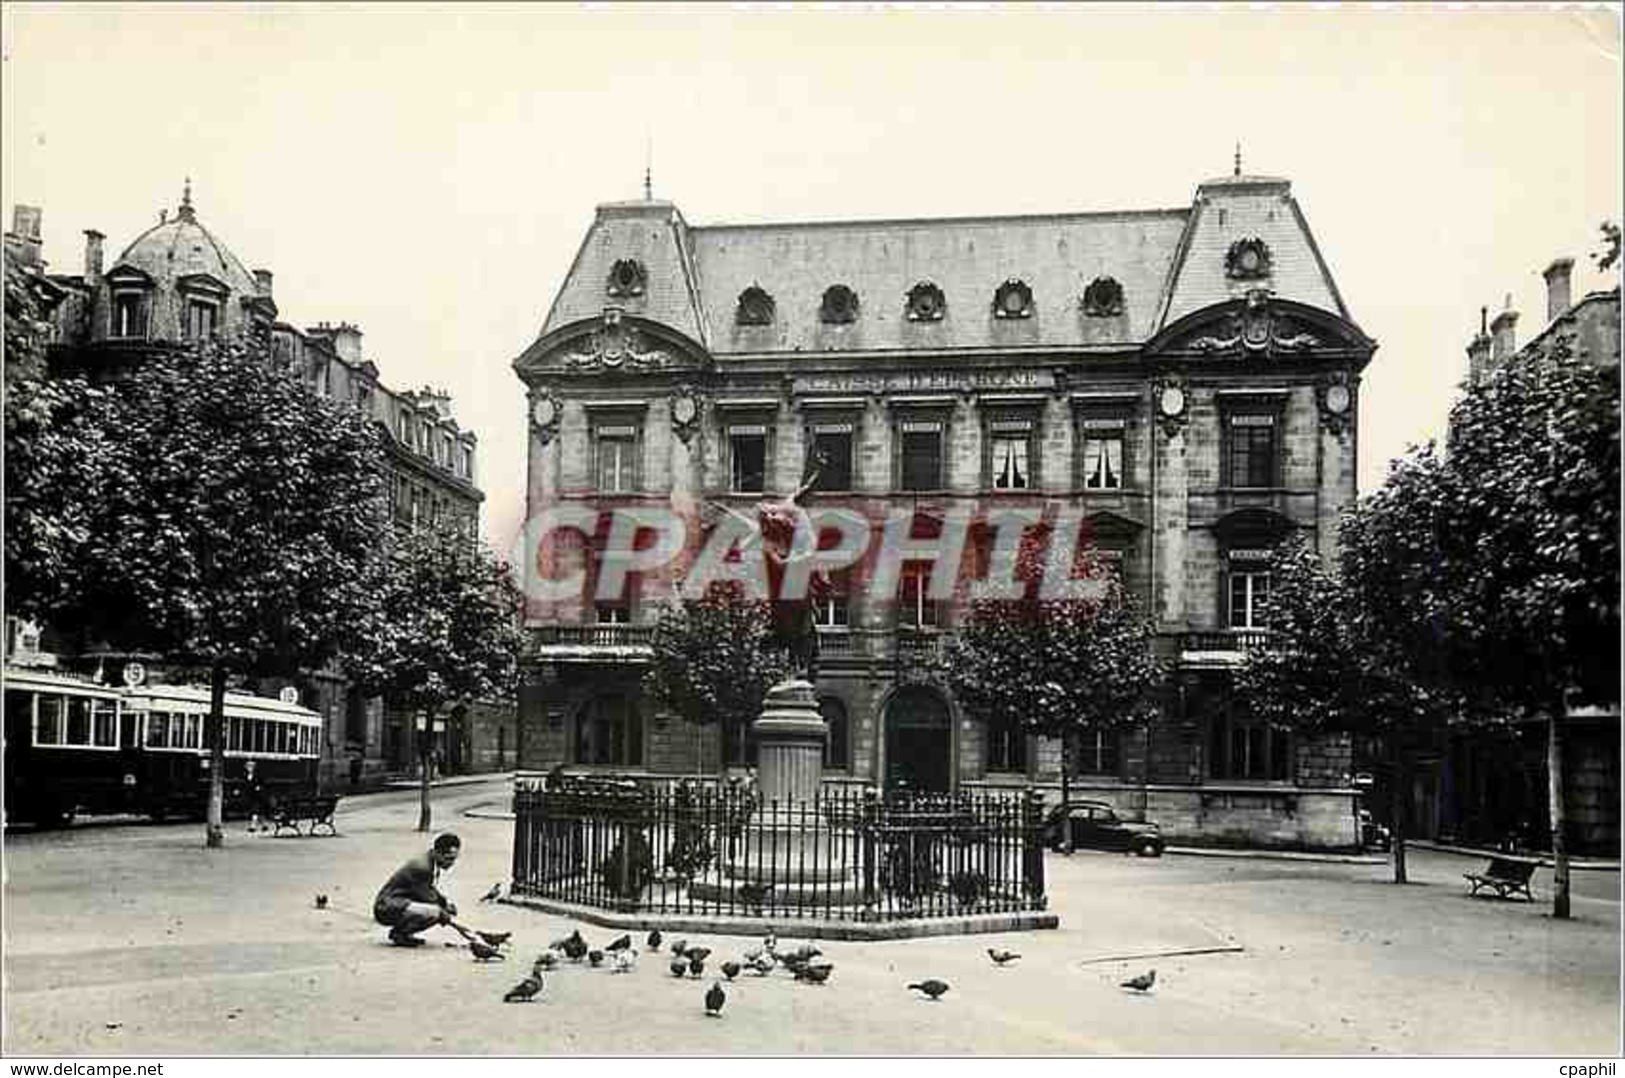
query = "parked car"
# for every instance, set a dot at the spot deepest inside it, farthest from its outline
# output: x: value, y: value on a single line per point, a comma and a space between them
x: 1095, y: 825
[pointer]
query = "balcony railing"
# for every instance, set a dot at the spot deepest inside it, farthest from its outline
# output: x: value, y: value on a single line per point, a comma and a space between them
x: 595, y: 636
x: 1237, y: 640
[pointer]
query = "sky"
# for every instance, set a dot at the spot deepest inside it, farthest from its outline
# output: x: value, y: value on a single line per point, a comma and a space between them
x: 427, y: 172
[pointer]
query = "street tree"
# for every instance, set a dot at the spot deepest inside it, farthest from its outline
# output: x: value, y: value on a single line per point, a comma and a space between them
x: 443, y: 628
x: 716, y: 657
x: 237, y: 523
x: 1328, y: 665
x: 1055, y: 667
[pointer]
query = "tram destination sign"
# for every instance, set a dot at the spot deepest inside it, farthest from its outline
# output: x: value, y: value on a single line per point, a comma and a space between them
x: 937, y: 381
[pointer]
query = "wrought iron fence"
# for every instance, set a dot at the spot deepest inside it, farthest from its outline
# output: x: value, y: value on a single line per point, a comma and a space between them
x: 849, y: 854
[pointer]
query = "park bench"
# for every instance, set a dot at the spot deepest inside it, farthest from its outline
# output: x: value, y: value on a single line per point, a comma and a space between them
x: 290, y: 812
x: 1504, y: 876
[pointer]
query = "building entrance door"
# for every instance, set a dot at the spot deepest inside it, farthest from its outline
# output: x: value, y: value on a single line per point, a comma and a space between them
x: 918, y: 741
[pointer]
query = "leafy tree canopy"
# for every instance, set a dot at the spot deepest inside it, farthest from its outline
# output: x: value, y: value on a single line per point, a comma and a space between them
x: 715, y: 658
x: 444, y: 624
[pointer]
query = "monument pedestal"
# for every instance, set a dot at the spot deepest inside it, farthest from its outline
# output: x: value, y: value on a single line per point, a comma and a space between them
x: 790, y: 845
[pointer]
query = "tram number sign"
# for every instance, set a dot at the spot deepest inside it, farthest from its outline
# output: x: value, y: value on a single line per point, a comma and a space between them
x: 289, y: 695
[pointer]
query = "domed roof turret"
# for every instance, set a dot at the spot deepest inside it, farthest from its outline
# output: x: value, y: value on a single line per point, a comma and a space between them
x: 181, y: 247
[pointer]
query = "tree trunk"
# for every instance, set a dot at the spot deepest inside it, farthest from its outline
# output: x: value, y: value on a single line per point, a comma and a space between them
x: 1066, y: 793
x: 214, y: 831
x: 425, y: 749
x: 1396, y: 808
x: 1555, y: 789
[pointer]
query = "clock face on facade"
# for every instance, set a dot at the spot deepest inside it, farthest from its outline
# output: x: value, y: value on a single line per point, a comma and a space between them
x: 544, y: 411
x: 1337, y: 399
x: 683, y: 409
x: 1172, y: 401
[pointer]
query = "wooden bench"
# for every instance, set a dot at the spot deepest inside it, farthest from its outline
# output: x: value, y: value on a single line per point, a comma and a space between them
x: 1503, y: 876
x: 317, y: 811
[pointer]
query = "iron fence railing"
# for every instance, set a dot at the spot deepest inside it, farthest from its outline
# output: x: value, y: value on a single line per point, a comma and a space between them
x: 848, y: 854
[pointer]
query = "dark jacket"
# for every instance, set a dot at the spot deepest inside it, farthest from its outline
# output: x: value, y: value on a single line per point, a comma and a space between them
x: 412, y: 882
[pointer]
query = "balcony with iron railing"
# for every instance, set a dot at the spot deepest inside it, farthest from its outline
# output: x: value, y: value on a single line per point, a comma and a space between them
x: 1219, y: 647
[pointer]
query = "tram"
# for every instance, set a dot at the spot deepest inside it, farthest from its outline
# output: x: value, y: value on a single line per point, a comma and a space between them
x: 74, y: 746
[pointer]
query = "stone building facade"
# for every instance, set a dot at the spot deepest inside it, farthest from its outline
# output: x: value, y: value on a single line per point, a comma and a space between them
x: 176, y: 283
x: 1182, y: 383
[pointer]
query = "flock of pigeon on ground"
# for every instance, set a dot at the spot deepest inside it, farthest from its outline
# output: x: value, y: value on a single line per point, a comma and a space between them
x: 687, y: 961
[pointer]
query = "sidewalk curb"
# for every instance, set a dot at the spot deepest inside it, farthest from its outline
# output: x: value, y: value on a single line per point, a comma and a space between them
x: 1586, y: 864
x: 1280, y: 855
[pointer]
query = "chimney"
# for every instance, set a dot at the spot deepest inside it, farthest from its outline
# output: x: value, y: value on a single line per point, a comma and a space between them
x: 262, y: 282
x: 1478, y: 350
x: 1557, y: 287
x: 93, y: 254
x: 24, y: 234
x: 347, y: 342
x: 1503, y: 341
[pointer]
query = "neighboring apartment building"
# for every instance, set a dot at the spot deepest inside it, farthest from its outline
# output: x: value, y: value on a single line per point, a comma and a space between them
x: 177, y: 282
x: 1184, y: 380
x: 1487, y: 786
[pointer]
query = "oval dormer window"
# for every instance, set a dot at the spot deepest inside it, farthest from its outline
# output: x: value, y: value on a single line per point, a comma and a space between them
x: 626, y: 278
x: 926, y: 303
x: 1013, y: 299
x: 755, y: 308
x: 840, y: 305
x: 1247, y: 259
x: 1103, y: 298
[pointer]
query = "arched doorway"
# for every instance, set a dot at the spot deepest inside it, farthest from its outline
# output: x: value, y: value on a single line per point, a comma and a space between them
x: 919, y: 736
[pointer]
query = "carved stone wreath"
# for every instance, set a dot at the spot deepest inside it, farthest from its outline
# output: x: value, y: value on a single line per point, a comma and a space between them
x: 840, y: 305
x: 1247, y: 260
x: 1103, y: 298
x: 1170, y: 400
x: 1336, y: 398
x: 627, y: 278
x: 756, y: 307
x: 1013, y: 299
x: 545, y: 410
x: 686, y: 408
x: 926, y: 303
x: 616, y: 346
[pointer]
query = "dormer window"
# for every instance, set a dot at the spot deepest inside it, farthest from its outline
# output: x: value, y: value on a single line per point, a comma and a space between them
x: 756, y: 307
x: 1013, y: 299
x: 840, y: 305
x: 1103, y: 298
x: 627, y: 278
x: 1248, y: 259
x: 129, y: 315
x: 926, y: 303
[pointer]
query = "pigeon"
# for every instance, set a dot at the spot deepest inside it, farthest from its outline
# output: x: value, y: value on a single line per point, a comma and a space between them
x: 595, y: 958
x: 493, y: 894
x: 715, y: 997
x: 524, y: 991
x: 1001, y: 958
x: 754, y: 894
x: 1142, y: 983
x: 626, y: 961
x: 762, y: 966
x: 753, y: 954
x: 696, y: 967
x: 933, y: 987
x: 564, y: 942
x: 731, y: 970
x: 544, y: 962
x: 770, y: 942
x: 816, y: 973
x: 654, y: 939
x: 680, y: 947
x: 678, y: 967
x: 620, y: 945
x: 495, y: 939
x: 575, y: 949
x: 321, y: 902
x: 483, y: 952
x: 701, y: 953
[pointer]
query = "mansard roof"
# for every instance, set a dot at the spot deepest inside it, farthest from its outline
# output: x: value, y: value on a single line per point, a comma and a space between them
x: 1242, y: 233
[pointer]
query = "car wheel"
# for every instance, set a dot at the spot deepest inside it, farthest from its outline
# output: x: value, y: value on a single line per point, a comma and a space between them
x: 1148, y: 849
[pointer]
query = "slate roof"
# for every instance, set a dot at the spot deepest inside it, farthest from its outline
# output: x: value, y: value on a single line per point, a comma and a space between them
x: 1169, y: 262
x: 180, y: 247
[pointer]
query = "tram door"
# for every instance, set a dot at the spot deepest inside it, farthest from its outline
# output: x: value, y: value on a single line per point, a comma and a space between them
x: 918, y: 741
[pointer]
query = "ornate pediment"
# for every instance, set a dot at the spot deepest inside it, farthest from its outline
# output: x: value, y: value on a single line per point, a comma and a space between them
x: 614, y: 343
x: 1259, y: 326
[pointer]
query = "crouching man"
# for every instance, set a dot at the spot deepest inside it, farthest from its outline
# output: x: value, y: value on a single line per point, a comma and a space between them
x: 409, y: 901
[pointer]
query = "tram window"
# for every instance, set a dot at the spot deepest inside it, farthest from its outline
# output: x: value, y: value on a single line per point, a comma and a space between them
x: 104, y: 724
x: 256, y: 735
x: 130, y: 729
x: 157, y: 729
x: 194, y: 731
x: 290, y: 740
x: 49, y: 730
x: 78, y: 721
x: 234, y: 735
